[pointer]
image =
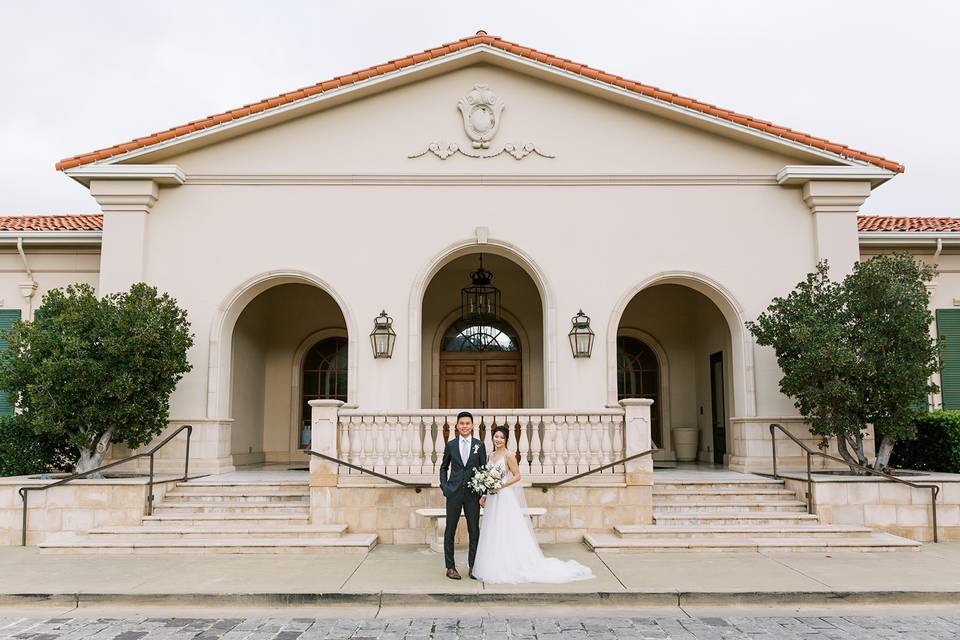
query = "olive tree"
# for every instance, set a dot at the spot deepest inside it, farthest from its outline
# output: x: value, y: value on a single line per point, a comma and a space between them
x: 92, y: 371
x: 856, y: 352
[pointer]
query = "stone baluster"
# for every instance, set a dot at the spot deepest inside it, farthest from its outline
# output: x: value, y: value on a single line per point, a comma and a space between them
x: 390, y: 445
x: 573, y: 445
x: 367, y: 456
x: 536, y: 446
x: 323, y: 439
x: 618, y: 449
x: 343, y: 432
x: 607, y: 424
x: 583, y: 443
x: 438, y: 445
x: 426, y: 446
x: 596, y: 454
x: 379, y: 444
x: 560, y: 445
x: 356, y: 441
x: 404, y: 444
x: 523, y: 441
x: 489, y: 422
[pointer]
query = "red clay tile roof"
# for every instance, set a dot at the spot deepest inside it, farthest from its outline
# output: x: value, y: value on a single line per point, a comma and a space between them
x: 481, y: 38
x: 916, y: 225
x: 81, y: 222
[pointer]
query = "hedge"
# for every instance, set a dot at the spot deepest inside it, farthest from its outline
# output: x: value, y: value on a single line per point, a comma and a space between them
x: 937, y: 446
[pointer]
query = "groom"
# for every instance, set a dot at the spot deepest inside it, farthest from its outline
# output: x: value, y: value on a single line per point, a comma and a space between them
x: 460, y: 457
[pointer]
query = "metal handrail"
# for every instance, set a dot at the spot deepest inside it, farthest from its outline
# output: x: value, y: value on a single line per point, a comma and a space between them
x: 546, y: 486
x: 23, y: 491
x: 934, y: 489
x: 417, y: 486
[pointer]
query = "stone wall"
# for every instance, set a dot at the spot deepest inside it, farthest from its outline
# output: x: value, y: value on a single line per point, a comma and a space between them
x: 752, y: 446
x: 390, y: 511
x: 76, y: 507
x: 884, y: 505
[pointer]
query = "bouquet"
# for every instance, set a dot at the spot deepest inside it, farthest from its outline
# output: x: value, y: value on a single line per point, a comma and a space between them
x: 486, y: 478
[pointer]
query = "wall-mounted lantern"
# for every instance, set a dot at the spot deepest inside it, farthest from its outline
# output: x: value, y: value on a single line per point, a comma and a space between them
x: 383, y: 336
x: 581, y: 336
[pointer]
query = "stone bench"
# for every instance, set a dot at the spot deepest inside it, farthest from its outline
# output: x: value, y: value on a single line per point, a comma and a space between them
x: 439, y: 518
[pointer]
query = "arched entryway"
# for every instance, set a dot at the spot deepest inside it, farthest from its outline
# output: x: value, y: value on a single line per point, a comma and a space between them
x: 674, y: 342
x: 288, y: 344
x: 482, y: 362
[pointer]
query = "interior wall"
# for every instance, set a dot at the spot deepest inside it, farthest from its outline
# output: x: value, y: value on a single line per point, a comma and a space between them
x: 519, y: 295
x: 689, y: 327
x: 268, y: 334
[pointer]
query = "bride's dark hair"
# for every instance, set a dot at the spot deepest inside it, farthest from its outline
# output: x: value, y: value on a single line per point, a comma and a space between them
x: 501, y: 429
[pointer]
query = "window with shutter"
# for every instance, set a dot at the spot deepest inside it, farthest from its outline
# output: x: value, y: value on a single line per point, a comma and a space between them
x: 948, y: 329
x: 7, y: 318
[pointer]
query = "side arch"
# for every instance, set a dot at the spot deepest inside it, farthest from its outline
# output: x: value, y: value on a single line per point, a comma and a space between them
x: 744, y: 386
x: 220, y: 352
x: 467, y: 247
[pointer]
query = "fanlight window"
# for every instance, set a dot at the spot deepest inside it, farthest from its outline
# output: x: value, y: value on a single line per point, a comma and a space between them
x: 638, y: 376
x: 489, y: 335
x: 324, y: 378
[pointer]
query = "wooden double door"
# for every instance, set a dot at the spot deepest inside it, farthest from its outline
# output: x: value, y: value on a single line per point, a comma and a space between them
x: 480, y: 379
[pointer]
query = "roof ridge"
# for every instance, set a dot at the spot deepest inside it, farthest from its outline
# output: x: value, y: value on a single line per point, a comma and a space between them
x: 481, y: 38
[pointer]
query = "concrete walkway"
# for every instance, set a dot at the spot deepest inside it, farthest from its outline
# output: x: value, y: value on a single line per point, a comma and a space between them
x: 413, y: 574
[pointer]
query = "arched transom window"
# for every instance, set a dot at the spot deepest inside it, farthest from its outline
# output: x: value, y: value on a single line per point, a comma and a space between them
x: 324, y: 378
x: 489, y: 335
x: 638, y: 376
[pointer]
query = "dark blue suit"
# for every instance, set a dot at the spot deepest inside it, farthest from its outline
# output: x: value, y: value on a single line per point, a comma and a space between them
x: 454, y: 476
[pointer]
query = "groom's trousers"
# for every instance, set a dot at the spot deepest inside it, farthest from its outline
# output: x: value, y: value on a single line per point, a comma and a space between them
x: 469, y: 503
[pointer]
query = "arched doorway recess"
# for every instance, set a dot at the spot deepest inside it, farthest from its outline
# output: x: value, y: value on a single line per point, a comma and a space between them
x: 696, y: 341
x: 482, y: 362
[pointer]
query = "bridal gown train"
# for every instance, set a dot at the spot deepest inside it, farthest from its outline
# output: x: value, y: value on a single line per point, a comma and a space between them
x: 508, y: 551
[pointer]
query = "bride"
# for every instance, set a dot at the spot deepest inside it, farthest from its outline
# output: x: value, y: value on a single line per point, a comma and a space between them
x: 508, y: 551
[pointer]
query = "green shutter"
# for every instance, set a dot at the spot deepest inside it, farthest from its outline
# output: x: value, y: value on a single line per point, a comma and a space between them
x: 7, y: 318
x: 948, y: 329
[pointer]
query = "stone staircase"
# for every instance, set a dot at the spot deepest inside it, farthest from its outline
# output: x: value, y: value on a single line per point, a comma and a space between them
x: 737, y: 514
x: 205, y: 516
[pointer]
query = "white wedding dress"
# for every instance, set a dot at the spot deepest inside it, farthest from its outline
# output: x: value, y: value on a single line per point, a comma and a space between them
x: 508, y: 551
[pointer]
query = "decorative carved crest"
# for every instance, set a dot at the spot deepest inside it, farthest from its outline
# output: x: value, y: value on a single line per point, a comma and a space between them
x: 481, y: 110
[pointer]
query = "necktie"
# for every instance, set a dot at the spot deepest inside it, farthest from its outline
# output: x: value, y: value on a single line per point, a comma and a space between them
x: 464, y: 449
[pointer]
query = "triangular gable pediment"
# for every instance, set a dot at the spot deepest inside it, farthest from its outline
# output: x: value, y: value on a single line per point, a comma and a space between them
x: 478, y: 50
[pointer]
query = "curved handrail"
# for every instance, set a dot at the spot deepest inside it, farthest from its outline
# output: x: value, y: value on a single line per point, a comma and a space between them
x: 417, y: 486
x: 546, y: 486
x: 934, y: 489
x: 77, y: 476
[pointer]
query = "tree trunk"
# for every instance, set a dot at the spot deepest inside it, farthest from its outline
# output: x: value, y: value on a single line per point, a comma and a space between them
x: 843, y: 446
x: 883, y: 455
x: 92, y: 457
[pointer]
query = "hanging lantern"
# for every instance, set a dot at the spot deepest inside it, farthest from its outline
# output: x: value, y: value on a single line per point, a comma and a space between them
x: 581, y: 336
x: 481, y: 300
x: 383, y: 336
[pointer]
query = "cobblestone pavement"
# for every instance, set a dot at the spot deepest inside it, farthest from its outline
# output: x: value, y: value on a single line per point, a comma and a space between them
x: 613, y: 628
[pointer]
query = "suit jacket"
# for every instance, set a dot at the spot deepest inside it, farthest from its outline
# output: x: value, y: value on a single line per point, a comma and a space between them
x: 460, y: 473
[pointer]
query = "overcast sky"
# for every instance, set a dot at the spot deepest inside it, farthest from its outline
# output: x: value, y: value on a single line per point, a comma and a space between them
x: 881, y: 76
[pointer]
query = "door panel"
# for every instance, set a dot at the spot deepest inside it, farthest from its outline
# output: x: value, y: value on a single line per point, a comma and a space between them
x: 718, y: 408
x: 459, y: 383
x: 483, y: 380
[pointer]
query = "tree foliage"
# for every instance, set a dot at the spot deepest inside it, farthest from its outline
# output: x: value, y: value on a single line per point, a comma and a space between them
x: 88, y: 371
x: 856, y: 352
x: 23, y: 451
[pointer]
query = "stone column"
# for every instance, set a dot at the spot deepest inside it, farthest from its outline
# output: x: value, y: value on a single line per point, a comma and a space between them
x: 636, y: 439
x: 125, y: 204
x: 323, y: 439
x: 835, y: 205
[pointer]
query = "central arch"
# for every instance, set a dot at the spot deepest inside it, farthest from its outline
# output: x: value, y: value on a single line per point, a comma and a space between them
x: 458, y: 250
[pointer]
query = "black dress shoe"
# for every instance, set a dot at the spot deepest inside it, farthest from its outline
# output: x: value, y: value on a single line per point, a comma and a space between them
x: 472, y: 577
x: 453, y: 574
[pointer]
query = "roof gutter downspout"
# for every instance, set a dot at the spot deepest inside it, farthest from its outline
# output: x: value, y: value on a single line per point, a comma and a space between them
x: 27, y: 289
x: 936, y: 254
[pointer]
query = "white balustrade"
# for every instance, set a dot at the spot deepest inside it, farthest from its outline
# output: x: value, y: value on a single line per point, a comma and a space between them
x: 549, y: 445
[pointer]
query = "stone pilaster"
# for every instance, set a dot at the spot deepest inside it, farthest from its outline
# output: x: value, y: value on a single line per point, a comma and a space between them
x: 636, y: 439
x: 125, y: 205
x: 835, y: 205
x: 323, y: 439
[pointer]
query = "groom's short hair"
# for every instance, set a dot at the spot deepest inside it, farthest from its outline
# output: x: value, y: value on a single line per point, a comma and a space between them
x: 464, y: 414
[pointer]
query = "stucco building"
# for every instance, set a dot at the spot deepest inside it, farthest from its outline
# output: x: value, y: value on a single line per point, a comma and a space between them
x: 286, y: 226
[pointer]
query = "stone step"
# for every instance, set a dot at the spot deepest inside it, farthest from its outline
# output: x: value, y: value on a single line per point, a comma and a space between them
x: 702, y: 506
x: 735, y: 518
x: 272, y: 508
x: 226, y: 486
x: 251, y: 496
x: 701, y: 485
x: 643, y: 531
x: 676, y: 495
x: 223, y: 531
x: 224, y: 518
x: 350, y: 542
x: 611, y: 542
